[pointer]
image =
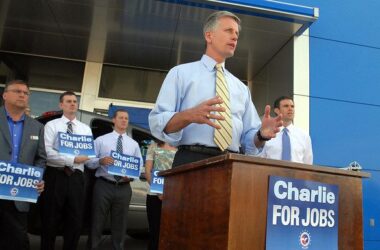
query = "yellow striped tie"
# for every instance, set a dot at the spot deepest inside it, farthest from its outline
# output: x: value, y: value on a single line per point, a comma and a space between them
x: 223, y: 136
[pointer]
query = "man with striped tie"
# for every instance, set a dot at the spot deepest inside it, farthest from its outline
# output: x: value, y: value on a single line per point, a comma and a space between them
x: 112, y: 193
x: 291, y: 143
x: 205, y: 110
x: 62, y: 203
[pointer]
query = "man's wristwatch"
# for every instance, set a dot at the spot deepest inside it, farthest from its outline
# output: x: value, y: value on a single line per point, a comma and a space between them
x: 260, y: 137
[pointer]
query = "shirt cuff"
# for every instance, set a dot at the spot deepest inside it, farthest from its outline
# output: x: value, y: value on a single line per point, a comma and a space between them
x: 250, y: 147
x: 172, y: 138
x: 93, y: 163
x: 69, y: 160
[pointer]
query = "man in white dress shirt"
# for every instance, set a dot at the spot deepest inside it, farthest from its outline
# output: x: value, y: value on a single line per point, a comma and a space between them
x: 112, y: 194
x: 65, y: 190
x: 291, y: 143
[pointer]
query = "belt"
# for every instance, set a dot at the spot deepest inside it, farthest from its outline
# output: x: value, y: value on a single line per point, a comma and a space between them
x: 66, y: 169
x: 116, y: 183
x: 205, y: 150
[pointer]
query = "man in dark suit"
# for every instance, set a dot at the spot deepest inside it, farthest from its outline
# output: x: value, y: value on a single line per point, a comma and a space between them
x: 21, y: 141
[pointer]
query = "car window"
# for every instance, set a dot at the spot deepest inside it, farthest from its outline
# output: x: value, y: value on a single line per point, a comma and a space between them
x: 100, y: 127
x: 143, y: 139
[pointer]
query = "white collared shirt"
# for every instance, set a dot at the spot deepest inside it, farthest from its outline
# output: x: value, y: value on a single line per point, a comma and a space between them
x: 107, y: 143
x: 301, y: 148
x: 55, y: 159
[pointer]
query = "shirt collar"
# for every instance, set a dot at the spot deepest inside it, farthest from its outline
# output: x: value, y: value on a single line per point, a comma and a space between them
x: 66, y: 120
x: 289, y: 127
x: 9, y: 118
x: 116, y: 134
x: 210, y: 63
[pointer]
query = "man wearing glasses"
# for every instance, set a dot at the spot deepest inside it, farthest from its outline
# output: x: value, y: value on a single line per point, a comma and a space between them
x: 21, y: 141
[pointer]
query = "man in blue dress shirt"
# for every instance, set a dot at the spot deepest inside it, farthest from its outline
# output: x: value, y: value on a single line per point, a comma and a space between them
x: 21, y: 141
x: 187, y: 108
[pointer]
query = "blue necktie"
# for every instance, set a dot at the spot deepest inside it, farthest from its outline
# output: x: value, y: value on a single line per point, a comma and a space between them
x: 286, y: 148
x: 119, y: 149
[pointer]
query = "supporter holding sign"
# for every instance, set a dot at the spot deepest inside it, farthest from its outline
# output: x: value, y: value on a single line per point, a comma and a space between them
x: 112, y: 193
x: 63, y: 201
x: 21, y: 142
x: 159, y: 157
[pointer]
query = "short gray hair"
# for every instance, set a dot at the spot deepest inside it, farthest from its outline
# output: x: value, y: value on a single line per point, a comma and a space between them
x: 212, y: 20
x: 16, y: 81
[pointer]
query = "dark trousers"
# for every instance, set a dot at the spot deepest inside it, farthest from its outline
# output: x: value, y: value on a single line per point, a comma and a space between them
x: 184, y: 156
x: 113, y: 200
x: 153, y: 209
x: 62, y: 203
x: 13, y: 227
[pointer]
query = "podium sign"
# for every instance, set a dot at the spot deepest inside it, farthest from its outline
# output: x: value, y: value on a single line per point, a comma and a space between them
x: 302, y: 213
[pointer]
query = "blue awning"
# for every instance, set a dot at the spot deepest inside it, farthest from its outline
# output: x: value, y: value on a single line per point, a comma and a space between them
x: 279, y: 10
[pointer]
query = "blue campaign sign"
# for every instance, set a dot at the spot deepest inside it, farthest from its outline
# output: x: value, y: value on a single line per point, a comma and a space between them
x: 125, y: 165
x: 304, y: 214
x: 17, y: 181
x: 157, y: 184
x: 71, y: 144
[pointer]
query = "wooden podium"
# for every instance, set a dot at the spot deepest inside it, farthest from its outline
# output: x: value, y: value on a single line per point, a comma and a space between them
x: 221, y: 202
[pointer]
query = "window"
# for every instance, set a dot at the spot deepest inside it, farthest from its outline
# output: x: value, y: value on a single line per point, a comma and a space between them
x: 41, y: 102
x: 130, y: 84
x: 39, y: 72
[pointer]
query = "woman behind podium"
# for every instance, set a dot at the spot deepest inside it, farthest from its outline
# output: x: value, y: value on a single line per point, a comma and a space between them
x: 160, y: 157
